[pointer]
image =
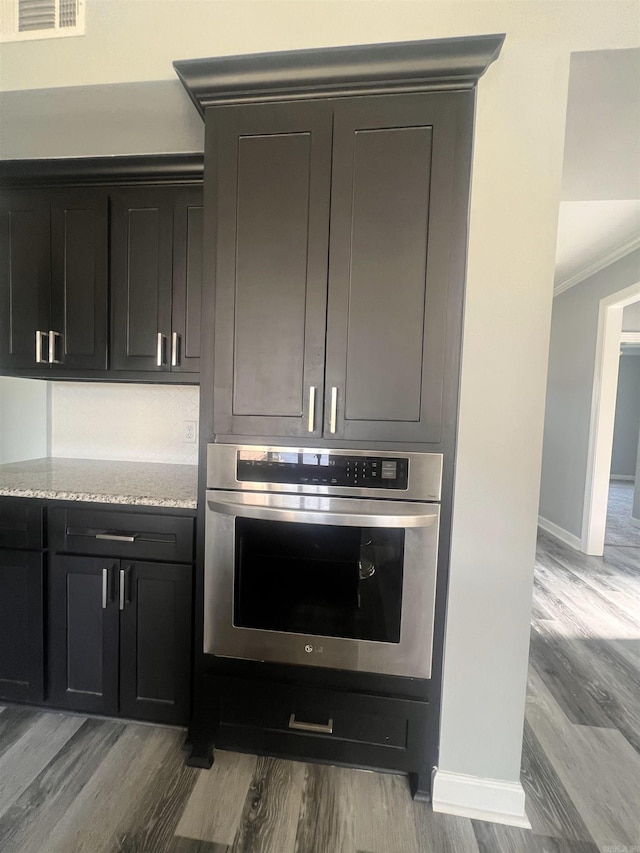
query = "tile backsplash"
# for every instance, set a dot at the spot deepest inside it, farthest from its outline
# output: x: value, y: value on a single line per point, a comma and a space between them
x: 132, y: 423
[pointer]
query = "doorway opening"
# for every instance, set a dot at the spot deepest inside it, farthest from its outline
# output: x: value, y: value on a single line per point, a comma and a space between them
x: 603, y: 406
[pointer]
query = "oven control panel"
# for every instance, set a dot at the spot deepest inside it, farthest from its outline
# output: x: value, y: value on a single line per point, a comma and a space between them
x: 322, y: 469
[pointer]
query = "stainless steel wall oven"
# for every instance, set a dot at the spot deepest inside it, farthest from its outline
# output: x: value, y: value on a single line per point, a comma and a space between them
x: 322, y: 557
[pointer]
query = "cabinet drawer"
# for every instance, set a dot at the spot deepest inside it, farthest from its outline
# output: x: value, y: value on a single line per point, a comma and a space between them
x: 21, y: 524
x: 328, y: 725
x: 140, y: 536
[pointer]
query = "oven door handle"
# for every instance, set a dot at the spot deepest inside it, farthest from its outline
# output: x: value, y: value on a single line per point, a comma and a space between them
x: 418, y: 516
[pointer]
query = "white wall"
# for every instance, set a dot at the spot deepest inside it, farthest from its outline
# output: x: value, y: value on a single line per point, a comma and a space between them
x: 24, y: 419
x: 513, y: 219
x: 133, y: 423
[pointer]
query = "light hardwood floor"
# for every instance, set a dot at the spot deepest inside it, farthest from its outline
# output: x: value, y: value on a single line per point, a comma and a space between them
x: 69, y: 784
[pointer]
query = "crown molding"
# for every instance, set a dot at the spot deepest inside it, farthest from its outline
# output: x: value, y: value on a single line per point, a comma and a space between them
x: 611, y: 257
x: 74, y: 171
x: 412, y: 66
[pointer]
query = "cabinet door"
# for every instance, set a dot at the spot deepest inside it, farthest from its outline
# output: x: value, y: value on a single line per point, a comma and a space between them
x: 395, y: 167
x: 21, y: 626
x: 155, y: 641
x: 268, y: 175
x: 79, y: 264
x: 141, y: 261
x: 187, y: 280
x: 24, y: 276
x: 83, y: 634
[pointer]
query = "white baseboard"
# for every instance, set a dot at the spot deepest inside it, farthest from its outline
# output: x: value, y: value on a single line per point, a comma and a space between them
x: 560, y: 533
x: 494, y: 800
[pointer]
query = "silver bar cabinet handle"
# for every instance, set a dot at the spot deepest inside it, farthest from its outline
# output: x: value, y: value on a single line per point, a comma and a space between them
x: 52, y: 347
x: 326, y: 729
x: 175, y: 342
x: 39, y: 336
x: 334, y: 409
x: 160, y: 350
x: 122, y: 584
x: 116, y: 537
x: 105, y: 588
x: 312, y: 407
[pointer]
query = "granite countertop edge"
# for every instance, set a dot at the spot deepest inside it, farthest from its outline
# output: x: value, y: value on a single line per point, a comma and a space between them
x: 127, y: 500
x: 135, y: 484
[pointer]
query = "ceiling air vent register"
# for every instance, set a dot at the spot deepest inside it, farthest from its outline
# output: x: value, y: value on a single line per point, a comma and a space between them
x: 24, y: 20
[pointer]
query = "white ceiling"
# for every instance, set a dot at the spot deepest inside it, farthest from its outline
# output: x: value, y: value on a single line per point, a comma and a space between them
x: 600, y: 200
x: 592, y: 231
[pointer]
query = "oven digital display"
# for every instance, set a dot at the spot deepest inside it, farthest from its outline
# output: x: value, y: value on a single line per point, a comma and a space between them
x: 315, y: 459
x: 283, y: 457
x: 322, y: 469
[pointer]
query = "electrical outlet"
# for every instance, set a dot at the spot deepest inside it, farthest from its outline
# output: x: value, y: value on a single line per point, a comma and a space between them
x: 189, y: 430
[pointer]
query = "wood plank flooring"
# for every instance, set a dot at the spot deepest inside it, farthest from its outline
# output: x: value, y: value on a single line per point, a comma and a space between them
x: 71, y: 784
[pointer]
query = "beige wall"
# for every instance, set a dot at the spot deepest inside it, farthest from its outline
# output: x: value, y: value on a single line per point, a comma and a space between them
x: 515, y: 193
x: 136, y: 40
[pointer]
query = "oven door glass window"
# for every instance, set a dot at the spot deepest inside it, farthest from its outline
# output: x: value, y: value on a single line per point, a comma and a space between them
x: 319, y: 579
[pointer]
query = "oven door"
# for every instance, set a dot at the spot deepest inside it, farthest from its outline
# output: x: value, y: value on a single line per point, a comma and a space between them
x: 344, y: 583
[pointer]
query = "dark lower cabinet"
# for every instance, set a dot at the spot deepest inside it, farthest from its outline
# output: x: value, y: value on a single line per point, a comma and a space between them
x: 83, y: 634
x: 120, y: 639
x: 155, y: 642
x: 301, y: 722
x: 21, y: 626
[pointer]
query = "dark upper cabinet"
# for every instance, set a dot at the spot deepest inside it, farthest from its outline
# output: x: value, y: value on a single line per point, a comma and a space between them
x: 391, y: 237
x: 79, y: 273
x: 120, y: 637
x: 25, y: 277
x: 335, y: 234
x: 272, y: 169
x: 156, y: 244
x: 141, y: 259
x: 53, y: 279
x: 21, y: 626
x: 186, y: 304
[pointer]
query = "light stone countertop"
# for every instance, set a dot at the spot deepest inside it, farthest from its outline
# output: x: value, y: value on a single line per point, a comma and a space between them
x: 100, y: 481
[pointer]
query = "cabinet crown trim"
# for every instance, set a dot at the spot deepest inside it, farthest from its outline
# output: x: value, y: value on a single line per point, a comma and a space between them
x: 412, y: 66
x: 138, y: 169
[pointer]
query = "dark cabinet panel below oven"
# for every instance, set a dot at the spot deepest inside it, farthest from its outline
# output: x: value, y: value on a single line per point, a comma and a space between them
x: 322, y: 724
